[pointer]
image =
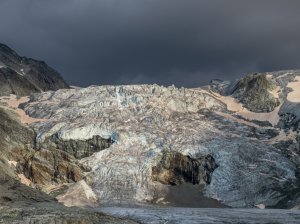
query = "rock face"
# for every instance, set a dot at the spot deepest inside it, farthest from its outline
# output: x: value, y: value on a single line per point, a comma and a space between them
x: 237, y: 142
x: 22, y: 76
x: 175, y: 169
x: 45, y: 167
x: 253, y: 92
x: 15, y: 137
x: 78, y: 148
x: 22, y: 164
x: 12, y: 83
x: 40, y: 166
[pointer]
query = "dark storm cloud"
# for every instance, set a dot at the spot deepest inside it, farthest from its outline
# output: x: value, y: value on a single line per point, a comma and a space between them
x: 185, y: 42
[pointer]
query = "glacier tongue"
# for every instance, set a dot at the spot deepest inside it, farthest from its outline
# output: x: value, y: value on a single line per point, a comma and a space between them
x: 145, y: 121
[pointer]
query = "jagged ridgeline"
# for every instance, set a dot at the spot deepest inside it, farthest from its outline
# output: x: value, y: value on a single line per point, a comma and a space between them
x: 22, y: 76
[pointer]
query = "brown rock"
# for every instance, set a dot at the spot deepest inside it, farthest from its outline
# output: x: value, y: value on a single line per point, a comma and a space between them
x: 175, y: 168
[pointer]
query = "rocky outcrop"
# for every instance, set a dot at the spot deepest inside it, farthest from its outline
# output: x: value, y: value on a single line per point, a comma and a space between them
x: 42, y: 167
x: 287, y: 121
x: 220, y: 86
x: 16, y: 139
x: 78, y: 148
x: 21, y: 204
x: 253, y: 91
x: 22, y: 76
x: 55, y: 161
x: 175, y: 169
x: 46, y: 167
x: 12, y: 192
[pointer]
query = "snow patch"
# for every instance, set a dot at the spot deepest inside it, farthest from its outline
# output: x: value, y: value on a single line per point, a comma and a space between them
x: 238, y: 109
x: 22, y: 72
x: 85, y: 133
x: 294, y: 96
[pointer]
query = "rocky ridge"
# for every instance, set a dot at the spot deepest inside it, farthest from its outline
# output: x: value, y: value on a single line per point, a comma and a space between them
x: 22, y: 76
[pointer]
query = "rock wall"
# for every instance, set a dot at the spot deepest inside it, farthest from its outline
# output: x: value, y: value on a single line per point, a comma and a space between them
x: 175, y: 169
x: 78, y: 148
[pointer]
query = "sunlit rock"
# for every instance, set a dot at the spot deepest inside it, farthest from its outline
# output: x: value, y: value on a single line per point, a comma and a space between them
x: 80, y: 195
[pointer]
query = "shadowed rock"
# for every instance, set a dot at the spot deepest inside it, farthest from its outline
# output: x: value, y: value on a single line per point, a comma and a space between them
x: 22, y: 76
x: 175, y: 168
x: 13, y: 83
x: 253, y: 92
x: 79, y: 148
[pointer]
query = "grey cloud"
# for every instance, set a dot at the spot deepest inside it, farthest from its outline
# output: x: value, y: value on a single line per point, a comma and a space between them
x: 139, y: 41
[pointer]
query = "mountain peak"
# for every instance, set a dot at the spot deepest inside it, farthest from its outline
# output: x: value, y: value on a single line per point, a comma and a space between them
x: 23, y: 76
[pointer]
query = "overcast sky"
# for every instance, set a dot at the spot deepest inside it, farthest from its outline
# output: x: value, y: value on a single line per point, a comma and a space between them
x: 181, y: 42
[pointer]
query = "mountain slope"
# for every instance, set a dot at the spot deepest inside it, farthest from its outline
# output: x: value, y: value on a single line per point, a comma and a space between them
x: 22, y: 76
x: 25, y: 169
